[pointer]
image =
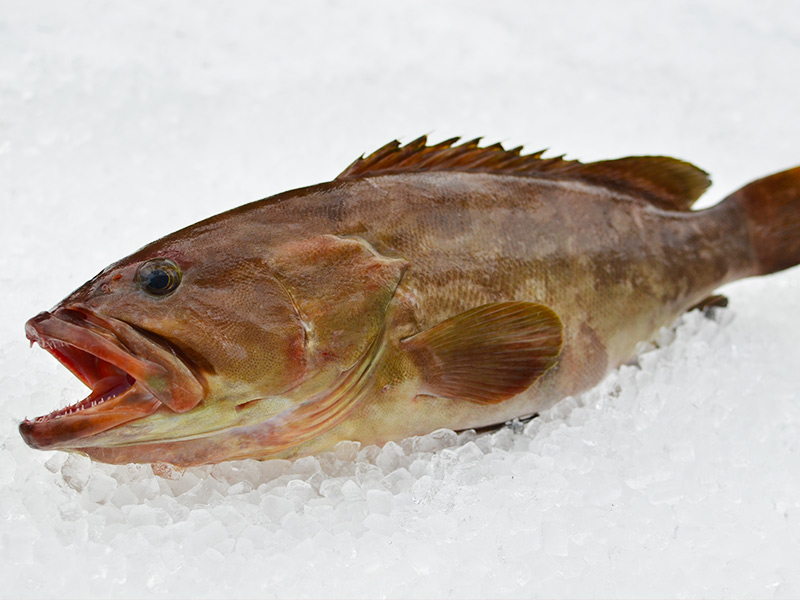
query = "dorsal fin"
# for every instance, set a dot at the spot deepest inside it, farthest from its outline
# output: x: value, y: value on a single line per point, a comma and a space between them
x: 666, y: 182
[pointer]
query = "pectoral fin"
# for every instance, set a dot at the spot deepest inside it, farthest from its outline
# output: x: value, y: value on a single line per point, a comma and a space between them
x: 489, y: 353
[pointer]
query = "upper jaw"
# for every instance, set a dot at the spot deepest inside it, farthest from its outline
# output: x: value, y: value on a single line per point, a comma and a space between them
x: 131, y: 376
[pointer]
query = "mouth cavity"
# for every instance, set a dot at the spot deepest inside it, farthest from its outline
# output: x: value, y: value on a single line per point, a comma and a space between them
x: 104, y: 379
x: 95, y: 355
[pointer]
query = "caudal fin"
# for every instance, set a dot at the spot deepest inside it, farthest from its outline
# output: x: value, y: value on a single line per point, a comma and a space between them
x: 772, y: 210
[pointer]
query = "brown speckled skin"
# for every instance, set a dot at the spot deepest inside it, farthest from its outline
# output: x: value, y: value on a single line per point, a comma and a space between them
x: 614, y: 268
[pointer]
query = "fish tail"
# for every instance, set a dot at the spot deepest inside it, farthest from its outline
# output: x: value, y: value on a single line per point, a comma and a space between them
x: 771, y: 208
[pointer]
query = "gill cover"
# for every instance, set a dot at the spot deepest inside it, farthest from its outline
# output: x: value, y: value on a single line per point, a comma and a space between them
x: 341, y: 287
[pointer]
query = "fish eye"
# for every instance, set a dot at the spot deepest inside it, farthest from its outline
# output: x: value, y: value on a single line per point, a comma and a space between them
x: 159, y: 276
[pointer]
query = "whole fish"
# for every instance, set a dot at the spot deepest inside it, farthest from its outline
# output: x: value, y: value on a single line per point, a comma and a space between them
x: 436, y: 286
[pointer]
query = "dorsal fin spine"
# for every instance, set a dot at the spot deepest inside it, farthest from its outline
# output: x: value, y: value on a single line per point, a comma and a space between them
x: 665, y: 182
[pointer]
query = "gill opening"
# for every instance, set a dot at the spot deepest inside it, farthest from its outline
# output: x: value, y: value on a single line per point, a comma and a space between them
x: 306, y: 326
x: 323, y: 411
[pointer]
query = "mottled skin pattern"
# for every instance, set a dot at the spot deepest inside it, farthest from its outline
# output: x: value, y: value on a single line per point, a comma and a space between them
x: 614, y: 268
x: 366, y: 308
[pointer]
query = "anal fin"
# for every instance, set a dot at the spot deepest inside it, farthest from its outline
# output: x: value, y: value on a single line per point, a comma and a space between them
x: 487, y: 354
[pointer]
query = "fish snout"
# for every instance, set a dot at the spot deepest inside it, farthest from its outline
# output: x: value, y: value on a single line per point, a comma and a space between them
x: 26, y: 430
x: 34, y: 324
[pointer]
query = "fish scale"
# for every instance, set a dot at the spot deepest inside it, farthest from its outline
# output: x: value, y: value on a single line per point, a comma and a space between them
x: 444, y: 286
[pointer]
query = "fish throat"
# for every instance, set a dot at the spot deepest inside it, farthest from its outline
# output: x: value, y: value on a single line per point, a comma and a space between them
x: 314, y: 416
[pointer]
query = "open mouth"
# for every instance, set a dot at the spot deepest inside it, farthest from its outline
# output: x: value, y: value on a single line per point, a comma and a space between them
x: 104, y: 379
x: 129, y: 376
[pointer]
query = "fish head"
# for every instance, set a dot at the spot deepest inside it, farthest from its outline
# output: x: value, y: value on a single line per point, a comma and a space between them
x: 195, y: 337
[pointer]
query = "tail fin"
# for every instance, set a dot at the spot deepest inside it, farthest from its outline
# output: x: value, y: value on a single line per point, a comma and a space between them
x: 772, y: 210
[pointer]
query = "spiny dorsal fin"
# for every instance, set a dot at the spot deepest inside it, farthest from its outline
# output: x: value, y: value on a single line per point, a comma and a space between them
x: 666, y: 182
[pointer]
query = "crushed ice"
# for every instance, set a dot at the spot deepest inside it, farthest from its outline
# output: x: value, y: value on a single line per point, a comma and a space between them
x: 675, y: 478
x: 578, y: 491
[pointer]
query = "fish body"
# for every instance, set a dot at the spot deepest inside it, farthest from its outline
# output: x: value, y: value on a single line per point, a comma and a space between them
x: 426, y: 287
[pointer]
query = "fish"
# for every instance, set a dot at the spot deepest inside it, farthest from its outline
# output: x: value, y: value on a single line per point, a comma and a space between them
x: 448, y: 285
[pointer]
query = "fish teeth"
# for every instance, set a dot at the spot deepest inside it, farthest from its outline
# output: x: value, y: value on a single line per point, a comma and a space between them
x: 49, y: 344
x: 72, y: 409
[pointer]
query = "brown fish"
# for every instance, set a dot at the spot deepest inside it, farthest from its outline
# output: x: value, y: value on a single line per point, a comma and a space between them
x: 425, y: 287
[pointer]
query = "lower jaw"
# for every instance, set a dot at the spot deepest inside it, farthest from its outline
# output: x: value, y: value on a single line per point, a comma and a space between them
x: 66, y: 432
x: 212, y: 448
x: 185, y: 453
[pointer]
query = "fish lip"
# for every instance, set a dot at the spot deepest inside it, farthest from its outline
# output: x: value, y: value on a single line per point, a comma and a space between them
x: 98, y: 351
x: 65, y: 330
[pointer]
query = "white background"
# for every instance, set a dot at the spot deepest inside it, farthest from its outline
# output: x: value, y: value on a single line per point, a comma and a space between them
x: 122, y: 122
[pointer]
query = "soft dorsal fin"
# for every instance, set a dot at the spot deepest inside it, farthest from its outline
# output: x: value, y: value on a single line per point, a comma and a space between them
x: 489, y: 353
x: 666, y: 182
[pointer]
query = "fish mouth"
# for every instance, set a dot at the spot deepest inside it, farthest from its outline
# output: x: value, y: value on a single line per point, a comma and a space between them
x: 131, y: 374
